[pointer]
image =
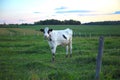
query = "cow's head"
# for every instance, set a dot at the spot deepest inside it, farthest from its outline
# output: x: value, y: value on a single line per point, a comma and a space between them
x: 46, y: 32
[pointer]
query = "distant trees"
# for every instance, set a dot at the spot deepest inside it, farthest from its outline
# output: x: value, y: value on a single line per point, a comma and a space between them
x: 71, y: 22
x: 8, y: 25
x: 104, y: 23
x: 14, y: 25
x: 57, y: 22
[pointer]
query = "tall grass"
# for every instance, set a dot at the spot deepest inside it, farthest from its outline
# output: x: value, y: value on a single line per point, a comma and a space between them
x: 28, y: 57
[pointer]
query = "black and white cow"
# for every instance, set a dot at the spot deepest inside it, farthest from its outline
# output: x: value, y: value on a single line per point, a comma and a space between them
x: 58, y: 37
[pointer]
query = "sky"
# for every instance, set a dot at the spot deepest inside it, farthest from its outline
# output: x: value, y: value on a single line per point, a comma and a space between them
x: 30, y: 11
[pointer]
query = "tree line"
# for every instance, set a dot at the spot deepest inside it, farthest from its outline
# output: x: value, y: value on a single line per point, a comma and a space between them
x: 57, y: 22
x: 104, y: 23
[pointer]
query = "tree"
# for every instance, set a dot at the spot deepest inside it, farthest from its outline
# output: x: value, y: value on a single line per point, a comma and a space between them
x: 57, y: 22
x: 104, y: 23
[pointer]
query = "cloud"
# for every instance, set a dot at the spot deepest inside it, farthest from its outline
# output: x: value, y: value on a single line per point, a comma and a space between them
x: 61, y: 8
x: 95, y: 14
x: 21, y: 20
x: 36, y: 12
x: 73, y: 11
x: 117, y: 12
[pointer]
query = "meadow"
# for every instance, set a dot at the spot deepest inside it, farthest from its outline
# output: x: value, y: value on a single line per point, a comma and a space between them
x: 25, y: 55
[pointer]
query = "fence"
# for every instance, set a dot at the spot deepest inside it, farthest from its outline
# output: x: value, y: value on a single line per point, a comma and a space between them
x: 87, y: 46
x: 76, y: 34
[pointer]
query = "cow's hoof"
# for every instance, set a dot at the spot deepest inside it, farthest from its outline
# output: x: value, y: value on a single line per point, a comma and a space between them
x: 66, y: 56
x: 70, y: 55
x: 53, y: 60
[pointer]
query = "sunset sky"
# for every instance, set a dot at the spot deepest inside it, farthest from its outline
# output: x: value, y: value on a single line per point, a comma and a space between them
x: 29, y: 11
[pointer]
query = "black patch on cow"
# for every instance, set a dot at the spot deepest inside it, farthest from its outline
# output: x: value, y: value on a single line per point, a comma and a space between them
x: 52, y: 47
x: 50, y: 30
x: 50, y: 39
x: 64, y: 36
x: 42, y: 30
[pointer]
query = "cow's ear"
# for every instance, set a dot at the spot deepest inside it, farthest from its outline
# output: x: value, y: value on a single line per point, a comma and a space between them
x: 50, y: 30
x: 42, y: 30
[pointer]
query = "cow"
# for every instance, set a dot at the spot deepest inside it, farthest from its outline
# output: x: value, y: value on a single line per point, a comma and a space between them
x: 58, y: 37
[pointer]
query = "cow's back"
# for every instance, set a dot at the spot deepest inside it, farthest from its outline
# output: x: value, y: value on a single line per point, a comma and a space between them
x: 68, y: 32
x: 65, y: 33
x: 62, y: 37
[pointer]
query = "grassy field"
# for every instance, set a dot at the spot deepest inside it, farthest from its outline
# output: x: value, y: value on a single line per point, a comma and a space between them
x: 98, y: 30
x: 25, y: 55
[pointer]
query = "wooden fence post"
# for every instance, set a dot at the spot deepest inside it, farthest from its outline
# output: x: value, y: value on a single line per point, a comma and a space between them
x: 99, y: 58
x: 24, y: 33
x: 10, y: 34
x: 90, y: 35
x: 79, y: 34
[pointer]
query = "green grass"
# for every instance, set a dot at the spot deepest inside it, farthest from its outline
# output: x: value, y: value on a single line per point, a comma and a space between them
x: 28, y: 56
x: 105, y: 30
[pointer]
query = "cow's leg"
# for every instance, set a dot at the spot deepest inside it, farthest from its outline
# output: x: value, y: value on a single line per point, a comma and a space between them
x: 53, y: 49
x: 66, y: 51
x: 53, y: 57
x: 70, y: 49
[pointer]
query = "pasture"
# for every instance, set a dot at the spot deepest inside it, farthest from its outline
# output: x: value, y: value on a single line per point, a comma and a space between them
x: 25, y: 55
